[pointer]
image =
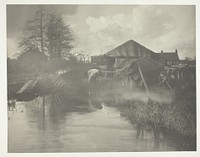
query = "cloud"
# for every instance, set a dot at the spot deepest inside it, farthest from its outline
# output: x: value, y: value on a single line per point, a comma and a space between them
x: 156, y: 27
x: 99, y: 28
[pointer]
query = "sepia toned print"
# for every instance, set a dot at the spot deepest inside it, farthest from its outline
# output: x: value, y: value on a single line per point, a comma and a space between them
x: 101, y: 78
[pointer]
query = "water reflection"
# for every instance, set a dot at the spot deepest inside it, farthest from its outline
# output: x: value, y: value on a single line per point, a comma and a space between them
x: 75, y: 126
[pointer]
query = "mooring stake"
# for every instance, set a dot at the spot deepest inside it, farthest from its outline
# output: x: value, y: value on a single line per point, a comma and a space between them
x: 43, y: 104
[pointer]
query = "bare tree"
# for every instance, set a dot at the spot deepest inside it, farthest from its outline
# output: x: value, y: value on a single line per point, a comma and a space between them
x: 83, y: 56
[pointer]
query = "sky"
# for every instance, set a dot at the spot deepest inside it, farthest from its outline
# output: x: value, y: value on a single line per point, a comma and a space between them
x: 100, y: 28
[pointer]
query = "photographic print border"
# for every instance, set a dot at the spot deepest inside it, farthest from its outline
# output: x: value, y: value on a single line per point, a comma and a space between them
x: 3, y: 76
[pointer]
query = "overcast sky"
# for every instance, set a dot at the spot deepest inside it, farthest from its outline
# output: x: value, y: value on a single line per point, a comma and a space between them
x: 99, y: 28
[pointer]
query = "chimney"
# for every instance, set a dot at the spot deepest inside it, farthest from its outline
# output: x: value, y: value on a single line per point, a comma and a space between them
x: 176, y: 51
x: 161, y: 51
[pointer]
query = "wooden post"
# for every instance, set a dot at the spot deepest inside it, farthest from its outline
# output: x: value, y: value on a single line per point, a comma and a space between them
x: 168, y: 85
x: 145, y: 85
x: 43, y: 104
x: 178, y: 74
x: 131, y: 82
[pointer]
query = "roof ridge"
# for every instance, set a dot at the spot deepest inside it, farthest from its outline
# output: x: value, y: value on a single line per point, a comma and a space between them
x: 166, y: 52
x: 132, y: 43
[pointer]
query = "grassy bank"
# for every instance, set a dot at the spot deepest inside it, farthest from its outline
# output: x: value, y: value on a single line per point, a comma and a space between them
x: 175, y: 120
x: 170, y: 115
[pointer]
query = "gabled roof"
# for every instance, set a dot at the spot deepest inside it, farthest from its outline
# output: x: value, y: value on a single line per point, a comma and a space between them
x: 170, y: 56
x: 130, y: 49
x: 28, y: 86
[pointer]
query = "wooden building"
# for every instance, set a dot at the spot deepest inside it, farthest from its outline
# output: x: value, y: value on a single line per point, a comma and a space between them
x: 129, y: 50
x: 169, y: 58
x: 133, y: 64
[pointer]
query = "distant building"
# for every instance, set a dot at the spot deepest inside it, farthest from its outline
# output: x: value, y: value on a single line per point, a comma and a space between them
x: 189, y: 61
x: 169, y: 58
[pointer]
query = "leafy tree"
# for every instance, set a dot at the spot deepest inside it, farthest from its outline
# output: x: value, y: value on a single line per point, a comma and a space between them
x: 34, y: 32
x: 48, y: 32
x: 59, y: 37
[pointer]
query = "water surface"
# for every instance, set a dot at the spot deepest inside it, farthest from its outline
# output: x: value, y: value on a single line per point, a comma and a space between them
x: 84, y: 129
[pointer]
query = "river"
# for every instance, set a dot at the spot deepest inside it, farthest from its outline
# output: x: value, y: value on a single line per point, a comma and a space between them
x: 83, y: 129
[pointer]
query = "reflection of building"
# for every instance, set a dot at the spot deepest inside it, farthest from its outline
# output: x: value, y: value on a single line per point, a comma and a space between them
x: 169, y: 58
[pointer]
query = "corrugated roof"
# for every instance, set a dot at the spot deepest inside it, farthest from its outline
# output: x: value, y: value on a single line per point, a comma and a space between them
x: 171, y: 56
x: 28, y: 86
x: 130, y: 49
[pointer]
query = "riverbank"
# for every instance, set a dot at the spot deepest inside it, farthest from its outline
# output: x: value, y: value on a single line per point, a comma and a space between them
x: 167, y: 115
x: 166, y: 123
x: 64, y: 130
